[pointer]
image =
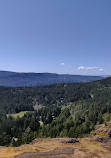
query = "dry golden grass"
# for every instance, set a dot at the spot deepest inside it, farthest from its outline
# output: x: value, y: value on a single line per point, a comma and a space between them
x: 84, y: 149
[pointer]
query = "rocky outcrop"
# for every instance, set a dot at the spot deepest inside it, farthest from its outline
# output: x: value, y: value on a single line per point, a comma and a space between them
x: 101, y: 139
x: 70, y: 140
x: 57, y: 153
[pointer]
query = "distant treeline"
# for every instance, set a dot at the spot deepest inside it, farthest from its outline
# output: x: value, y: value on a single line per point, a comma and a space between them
x: 15, y: 79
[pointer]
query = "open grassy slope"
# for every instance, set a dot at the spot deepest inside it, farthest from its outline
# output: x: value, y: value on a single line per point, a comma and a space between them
x: 84, y: 149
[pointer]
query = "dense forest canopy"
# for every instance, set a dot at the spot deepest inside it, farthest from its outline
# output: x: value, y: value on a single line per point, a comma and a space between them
x: 66, y: 110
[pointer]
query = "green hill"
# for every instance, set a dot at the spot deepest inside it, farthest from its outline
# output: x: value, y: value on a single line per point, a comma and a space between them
x: 67, y: 110
x: 15, y: 79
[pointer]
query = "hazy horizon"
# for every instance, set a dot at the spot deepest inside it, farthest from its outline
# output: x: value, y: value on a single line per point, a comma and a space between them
x: 51, y: 73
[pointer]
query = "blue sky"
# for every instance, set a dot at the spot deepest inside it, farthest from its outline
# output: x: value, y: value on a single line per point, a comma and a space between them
x: 60, y: 36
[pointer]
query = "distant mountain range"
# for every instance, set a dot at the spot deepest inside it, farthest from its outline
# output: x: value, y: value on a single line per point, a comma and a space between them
x: 15, y: 79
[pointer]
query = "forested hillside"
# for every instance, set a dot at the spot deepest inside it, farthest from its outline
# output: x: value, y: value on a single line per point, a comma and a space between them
x: 59, y: 110
x: 15, y: 79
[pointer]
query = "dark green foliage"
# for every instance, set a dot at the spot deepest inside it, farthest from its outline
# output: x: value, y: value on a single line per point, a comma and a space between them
x: 79, y: 117
x: 68, y: 110
x: 22, y: 128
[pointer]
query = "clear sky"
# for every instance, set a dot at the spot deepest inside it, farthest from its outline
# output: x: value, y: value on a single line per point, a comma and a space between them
x: 60, y: 36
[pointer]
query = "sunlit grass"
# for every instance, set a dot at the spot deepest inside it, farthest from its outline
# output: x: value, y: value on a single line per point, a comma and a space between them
x: 20, y: 114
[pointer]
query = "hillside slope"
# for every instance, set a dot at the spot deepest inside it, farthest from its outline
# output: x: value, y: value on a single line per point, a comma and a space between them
x: 53, y: 148
x: 66, y: 110
x: 14, y: 79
